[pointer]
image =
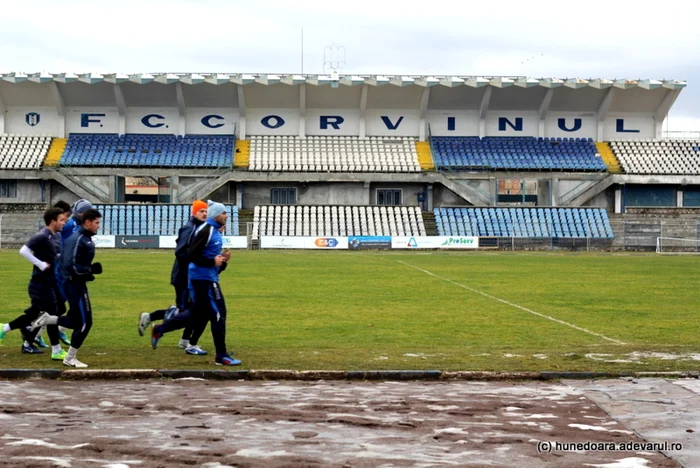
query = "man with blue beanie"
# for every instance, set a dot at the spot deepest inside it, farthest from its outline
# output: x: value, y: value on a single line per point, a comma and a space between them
x: 206, y: 261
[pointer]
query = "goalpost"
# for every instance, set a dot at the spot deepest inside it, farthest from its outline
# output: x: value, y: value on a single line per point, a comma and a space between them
x: 677, y: 245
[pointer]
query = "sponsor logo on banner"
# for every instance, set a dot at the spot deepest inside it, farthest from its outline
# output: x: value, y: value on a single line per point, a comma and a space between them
x: 103, y: 242
x: 235, y: 242
x: 137, y: 242
x: 278, y: 242
x: 434, y: 242
x: 274, y: 242
x: 369, y: 242
x: 463, y: 242
x: 326, y: 243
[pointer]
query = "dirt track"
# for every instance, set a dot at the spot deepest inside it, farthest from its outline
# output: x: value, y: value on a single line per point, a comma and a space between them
x: 207, y: 423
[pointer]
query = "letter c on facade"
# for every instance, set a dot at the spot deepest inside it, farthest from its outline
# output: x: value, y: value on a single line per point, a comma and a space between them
x: 206, y: 121
x: 147, y: 121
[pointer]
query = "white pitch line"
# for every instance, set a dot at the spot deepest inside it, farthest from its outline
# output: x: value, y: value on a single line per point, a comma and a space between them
x: 514, y: 305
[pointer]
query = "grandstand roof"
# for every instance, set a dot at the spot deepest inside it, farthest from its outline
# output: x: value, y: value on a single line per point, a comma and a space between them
x: 348, y: 80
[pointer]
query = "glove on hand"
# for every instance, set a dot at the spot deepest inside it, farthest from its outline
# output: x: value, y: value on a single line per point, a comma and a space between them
x: 96, y: 268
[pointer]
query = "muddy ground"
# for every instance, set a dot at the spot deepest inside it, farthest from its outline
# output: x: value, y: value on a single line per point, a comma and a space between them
x: 334, y: 423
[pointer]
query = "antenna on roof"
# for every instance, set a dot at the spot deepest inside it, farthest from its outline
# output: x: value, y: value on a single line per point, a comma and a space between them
x: 333, y: 62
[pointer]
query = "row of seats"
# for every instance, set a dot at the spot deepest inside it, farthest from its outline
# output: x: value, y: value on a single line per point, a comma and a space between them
x: 672, y: 157
x: 23, y: 151
x: 342, y: 221
x: 333, y: 154
x: 134, y: 150
x: 524, y: 222
x: 516, y: 153
x: 153, y: 220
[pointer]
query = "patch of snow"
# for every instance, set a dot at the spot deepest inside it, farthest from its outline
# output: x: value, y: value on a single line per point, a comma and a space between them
x: 586, y: 427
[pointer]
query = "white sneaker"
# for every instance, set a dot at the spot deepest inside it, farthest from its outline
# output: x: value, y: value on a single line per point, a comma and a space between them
x: 144, y: 322
x: 73, y: 362
x: 40, y: 320
x: 183, y: 344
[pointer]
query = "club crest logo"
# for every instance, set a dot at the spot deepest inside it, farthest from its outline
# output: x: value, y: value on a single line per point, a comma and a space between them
x: 32, y: 119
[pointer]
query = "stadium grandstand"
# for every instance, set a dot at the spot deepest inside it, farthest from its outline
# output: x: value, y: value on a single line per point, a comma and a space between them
x: 347, y: 155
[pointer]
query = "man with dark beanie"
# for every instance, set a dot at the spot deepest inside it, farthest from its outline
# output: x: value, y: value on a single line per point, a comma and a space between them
x: 179, y: 279
x: 77, y: 269
x: 206, y: 261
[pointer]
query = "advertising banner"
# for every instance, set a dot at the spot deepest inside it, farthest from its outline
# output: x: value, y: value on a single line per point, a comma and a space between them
x: 137, y: 242
x: 235, y: 242
x: 280, y: 242
x: 435, y: 242
x: 104, y: 242
x: 230, y: 242
x: 458, y: 242
x: 167, y: 242
x: 369, y: 242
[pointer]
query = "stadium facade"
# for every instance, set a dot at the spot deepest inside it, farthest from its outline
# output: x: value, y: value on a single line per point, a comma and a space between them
x: 488, y: 144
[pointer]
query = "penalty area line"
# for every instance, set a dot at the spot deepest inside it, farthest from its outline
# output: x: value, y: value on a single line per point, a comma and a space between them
x: 503, y: 301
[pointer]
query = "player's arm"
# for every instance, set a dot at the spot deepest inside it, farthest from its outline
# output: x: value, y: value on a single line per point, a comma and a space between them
x: 83, y: 254
x: 27, y: 251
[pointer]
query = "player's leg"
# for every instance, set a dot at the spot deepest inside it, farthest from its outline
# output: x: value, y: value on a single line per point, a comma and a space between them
x: 218, y: 326
x: 79, y: 299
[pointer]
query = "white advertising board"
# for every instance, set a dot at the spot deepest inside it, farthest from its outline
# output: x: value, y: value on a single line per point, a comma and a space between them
x: 281, y: 242
x: 230, y: 242
x: 104, y: 242
x: 435, y: 242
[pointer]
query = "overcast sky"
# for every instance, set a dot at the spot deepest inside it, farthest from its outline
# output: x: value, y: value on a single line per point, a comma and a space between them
x: 613, y: 39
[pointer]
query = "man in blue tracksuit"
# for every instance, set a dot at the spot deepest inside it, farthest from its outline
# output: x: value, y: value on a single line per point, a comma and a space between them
x: 179, y: 279
x: 77, y: 269
x: 206, y: 262
x: 74, y: 215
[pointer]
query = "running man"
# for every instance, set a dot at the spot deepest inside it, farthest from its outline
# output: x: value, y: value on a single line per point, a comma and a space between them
x: 179, y: 280
x: 42, y: 250
x: 206, y: 261
x: 77, y: 270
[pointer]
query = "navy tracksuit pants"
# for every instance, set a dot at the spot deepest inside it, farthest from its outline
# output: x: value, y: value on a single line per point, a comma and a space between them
x: 44, y: 297
x: 209, y: 306
x: 183, y: 302
x: 79, y: 317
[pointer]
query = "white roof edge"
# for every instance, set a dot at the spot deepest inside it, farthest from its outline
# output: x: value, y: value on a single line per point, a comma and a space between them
x: 399, y: 79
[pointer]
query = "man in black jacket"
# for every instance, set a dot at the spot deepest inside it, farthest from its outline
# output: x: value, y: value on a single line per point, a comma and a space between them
x: 178, y: 278
x: 42, y: 251
x: 77, y: 269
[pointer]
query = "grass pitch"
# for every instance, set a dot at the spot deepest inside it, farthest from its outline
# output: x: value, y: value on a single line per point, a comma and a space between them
x: 399, y: 310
